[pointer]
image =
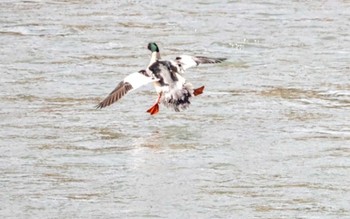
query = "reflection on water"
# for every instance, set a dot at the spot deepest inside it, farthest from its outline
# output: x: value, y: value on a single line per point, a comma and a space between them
x: 268, y: 138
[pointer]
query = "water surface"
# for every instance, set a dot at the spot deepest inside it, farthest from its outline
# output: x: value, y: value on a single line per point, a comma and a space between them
x: 269, y: 138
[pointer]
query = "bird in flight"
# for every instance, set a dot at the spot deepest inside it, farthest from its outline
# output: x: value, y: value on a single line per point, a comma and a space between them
x: 167, y: 76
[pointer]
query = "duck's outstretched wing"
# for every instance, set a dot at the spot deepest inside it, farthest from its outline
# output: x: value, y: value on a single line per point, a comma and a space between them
x: 130, y: 83
x: 186, y: 61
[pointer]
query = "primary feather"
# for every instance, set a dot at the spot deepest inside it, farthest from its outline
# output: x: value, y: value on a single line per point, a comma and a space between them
x: 186, y: 61
x: 130, y: 83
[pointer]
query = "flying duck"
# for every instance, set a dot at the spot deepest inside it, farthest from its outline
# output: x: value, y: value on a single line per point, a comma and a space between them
x: 172, y: 89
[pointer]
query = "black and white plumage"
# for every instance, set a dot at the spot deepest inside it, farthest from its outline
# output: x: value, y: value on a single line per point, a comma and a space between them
x: 173, y: 90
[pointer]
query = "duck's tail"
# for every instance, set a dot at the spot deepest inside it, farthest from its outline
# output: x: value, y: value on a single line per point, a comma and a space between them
x: 179, y: 99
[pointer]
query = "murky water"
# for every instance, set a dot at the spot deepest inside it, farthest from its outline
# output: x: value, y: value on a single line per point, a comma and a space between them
x: 269, y: 138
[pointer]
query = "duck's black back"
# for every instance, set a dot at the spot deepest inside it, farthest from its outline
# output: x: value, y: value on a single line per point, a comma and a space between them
x: 165, y: 71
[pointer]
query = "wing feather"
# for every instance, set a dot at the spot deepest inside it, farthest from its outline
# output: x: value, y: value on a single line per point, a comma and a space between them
x: 121, y: 89
x: 131, y: 82
x: 186, y: 61
x: 207, y: 60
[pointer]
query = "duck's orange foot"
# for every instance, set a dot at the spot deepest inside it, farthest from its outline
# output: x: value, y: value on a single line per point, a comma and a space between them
x: 154, y: 109
x: 198, y: 91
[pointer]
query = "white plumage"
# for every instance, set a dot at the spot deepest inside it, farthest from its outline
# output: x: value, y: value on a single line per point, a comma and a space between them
x: 172, y: 89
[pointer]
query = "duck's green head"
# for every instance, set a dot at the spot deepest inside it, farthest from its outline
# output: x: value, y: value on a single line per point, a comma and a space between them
x: 153, y: 47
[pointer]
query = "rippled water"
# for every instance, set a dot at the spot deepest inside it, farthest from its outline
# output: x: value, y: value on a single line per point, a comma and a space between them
x: 269, y: 138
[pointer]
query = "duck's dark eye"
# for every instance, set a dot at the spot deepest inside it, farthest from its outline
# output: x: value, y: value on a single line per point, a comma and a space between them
x: 177, y: 58
x: 179, y: 65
